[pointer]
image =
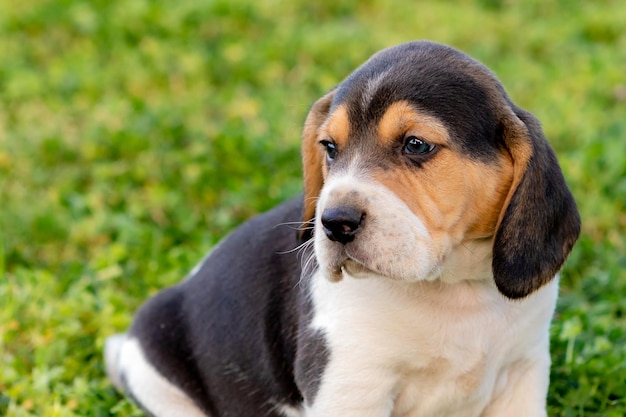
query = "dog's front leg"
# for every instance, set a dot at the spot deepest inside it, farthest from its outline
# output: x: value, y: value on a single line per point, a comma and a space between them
x: 524, y: 390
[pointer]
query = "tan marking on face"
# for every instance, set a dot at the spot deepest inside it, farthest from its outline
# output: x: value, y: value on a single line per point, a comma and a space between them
x: 401, y: 119
x: 337, y: 126
x: 452, y: 195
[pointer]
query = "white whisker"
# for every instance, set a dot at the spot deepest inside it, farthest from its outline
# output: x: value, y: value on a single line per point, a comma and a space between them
x: 297, y: 248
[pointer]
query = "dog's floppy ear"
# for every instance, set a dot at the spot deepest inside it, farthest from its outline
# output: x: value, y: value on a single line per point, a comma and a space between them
x: 539, y: 222
x: 312, y: 156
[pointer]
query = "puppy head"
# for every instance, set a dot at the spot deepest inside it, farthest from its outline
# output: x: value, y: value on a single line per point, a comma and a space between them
x: 419, y: 161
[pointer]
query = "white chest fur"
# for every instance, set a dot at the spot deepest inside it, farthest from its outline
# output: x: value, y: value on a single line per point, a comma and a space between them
x: 429, y: 349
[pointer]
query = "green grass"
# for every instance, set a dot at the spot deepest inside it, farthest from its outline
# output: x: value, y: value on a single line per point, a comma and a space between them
x: 135, y: 134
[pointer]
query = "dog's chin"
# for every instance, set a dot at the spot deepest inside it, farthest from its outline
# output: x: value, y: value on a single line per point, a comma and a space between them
x: 352, y: 268
x: 357, y: 270
x: 348, y: 267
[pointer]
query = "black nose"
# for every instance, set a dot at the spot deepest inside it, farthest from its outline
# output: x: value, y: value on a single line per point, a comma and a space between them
x: 341, y: 224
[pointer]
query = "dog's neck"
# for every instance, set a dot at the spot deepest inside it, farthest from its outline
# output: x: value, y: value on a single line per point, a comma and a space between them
x: 468, y: 260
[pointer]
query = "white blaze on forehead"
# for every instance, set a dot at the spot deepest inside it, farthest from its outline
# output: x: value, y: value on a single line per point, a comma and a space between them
x: 370, y: 89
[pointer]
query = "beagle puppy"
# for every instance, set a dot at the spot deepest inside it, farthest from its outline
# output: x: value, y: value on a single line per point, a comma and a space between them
x: 421, y: 283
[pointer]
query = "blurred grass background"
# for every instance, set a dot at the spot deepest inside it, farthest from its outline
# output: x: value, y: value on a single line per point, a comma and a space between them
x: 134, y: 134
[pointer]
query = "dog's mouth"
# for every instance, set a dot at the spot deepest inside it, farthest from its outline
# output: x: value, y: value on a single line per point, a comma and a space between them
x: 352, y: 267
x: 350, y: 259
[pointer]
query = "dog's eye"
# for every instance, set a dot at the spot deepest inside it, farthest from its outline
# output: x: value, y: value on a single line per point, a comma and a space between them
x: 415, y: 146
x: 331, y: 149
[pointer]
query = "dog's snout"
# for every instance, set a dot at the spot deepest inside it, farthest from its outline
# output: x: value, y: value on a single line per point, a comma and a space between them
x: 341, y: 224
